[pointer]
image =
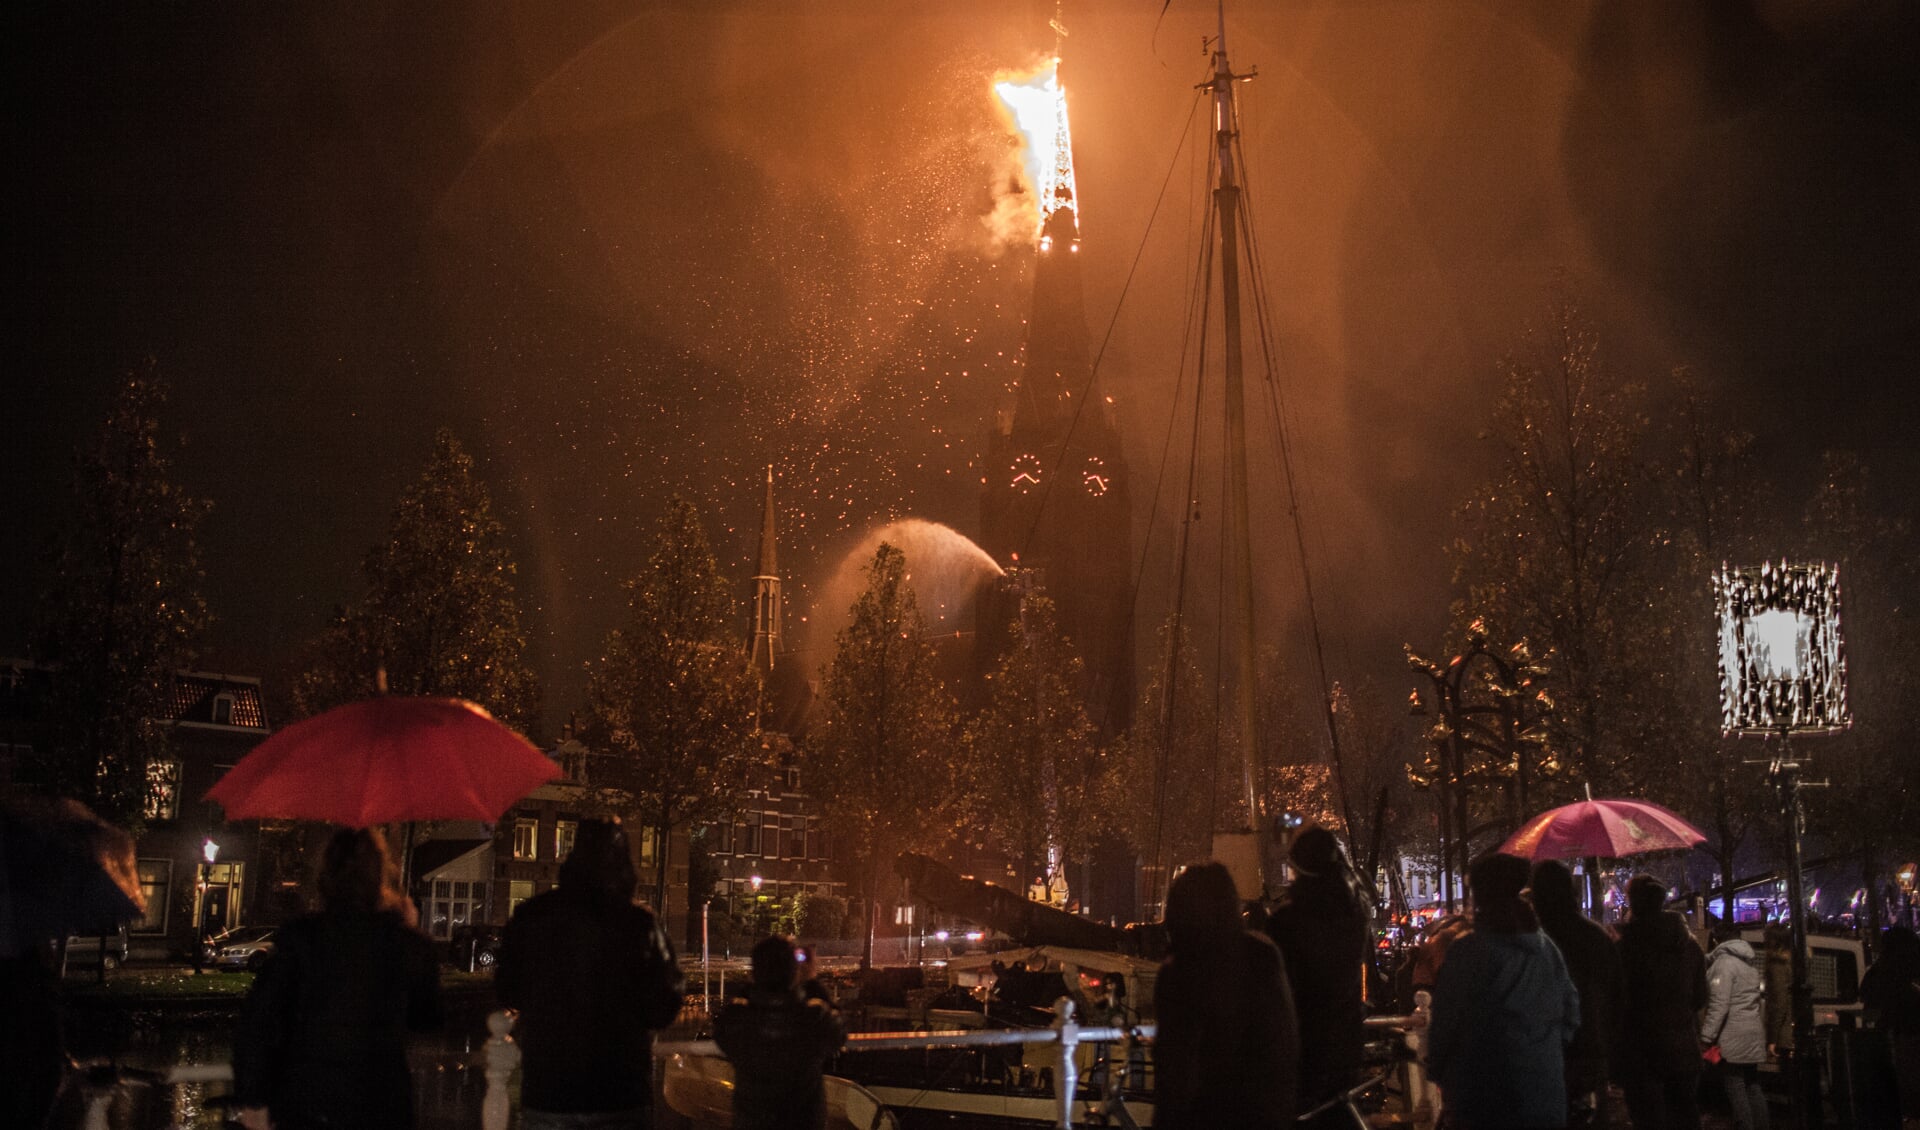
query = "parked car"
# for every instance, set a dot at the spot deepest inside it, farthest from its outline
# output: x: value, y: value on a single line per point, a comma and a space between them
x: 243, y: 947
x: 474, y: 948
x: 85, y: 952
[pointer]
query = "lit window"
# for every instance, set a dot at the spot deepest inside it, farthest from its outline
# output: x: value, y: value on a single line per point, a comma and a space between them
x: 163, y: 789
x: 156, y: 876
x: 563, y: 833
x: 518, y: 891
x: 526, y: 839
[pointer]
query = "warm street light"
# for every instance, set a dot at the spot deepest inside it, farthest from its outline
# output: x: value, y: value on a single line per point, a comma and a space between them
x: 1783, y: 672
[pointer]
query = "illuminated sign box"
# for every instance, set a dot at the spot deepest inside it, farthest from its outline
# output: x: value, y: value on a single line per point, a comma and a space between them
x: 1782, y: 667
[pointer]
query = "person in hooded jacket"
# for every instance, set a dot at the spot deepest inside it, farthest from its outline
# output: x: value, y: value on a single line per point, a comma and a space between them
x: 1321, y: 929
x: 779, y: 1038
x: 592, y: 976
x: 1504, y: 1011
x: 1595, y: 967
x: 1226, y: 1052
x: 1736, y: 1020
x: 322, y: 1040
x: 1657, y: 1062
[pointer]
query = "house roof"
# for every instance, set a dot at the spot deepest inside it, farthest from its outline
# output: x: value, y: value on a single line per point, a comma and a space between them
x: 194, y: 695
x: 435, y: 855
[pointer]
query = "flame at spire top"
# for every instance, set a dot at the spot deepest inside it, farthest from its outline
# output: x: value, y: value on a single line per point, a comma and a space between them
x: 1037, y: 105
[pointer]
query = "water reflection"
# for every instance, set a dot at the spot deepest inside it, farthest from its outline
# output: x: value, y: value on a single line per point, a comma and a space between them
x: 449, y: 1079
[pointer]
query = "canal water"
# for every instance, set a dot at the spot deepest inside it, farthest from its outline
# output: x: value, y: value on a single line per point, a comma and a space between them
x: 449, y: 1078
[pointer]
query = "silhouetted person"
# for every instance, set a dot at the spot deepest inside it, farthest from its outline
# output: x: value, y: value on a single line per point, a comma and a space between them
x: 322, y: 1039
x: 779, y: 1038
x: 592, y: 976
x: 1321, y: 929
x: 1657, y: 1062
x: 1777, y: 973
x: 1227, y: 1050
x: 1736, y: 1020
x: 1594, y: 965
x: 1504, y: 1011
x: 1892, y: 989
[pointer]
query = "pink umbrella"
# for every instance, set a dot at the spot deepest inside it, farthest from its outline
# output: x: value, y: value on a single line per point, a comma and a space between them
x: 1609, y: 828
x: 384, y: 760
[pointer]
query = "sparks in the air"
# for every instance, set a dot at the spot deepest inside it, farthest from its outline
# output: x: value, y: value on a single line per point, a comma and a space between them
x: 1037, y: 105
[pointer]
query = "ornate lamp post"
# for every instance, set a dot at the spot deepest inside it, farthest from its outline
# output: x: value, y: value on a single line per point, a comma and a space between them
x: 1490, y: 706
x: 209, y: 853
x: 1783, y: 673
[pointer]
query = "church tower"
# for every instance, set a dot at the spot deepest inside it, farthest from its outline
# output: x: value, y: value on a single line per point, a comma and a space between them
x: 1056, y: 496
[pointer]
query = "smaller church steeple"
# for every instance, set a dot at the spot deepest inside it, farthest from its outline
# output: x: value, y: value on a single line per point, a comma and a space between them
x: 766, y: 592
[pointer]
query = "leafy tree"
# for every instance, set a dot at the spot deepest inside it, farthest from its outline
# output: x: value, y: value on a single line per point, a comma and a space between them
x: 1868, y: 811
x: 882, y: 757
x: 1037, y: 778
x: 1720, y: 508
x: 673, y: 701
x: 1556, y: 546
x: 1176, y: 771
x: 123, y: 611
x: 441, y: 615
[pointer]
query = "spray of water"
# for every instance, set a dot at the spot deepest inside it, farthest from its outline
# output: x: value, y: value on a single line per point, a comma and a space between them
x: 944, y: 566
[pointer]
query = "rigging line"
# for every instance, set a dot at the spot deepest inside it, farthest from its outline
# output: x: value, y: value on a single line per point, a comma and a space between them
x: 1047, y: 478
x: 1263, y: 320
x: 1166, y: 448
x: 1176, y: 637
x: 1271, y: 349
x: 1220, y: 631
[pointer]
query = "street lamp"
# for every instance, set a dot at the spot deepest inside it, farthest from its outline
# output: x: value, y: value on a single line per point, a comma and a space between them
x: 1783, y: 673
x: 209, y: 852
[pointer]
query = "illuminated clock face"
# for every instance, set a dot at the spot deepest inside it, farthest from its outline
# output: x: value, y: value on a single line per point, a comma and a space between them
x: 1026, y: 472
x: 1095, y: 477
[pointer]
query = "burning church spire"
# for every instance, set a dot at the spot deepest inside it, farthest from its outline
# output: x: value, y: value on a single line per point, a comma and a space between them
x: 1055, y: 499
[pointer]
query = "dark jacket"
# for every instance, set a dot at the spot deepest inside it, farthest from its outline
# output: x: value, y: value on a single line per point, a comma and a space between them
x: 322, y: 1040
x: 591, y: 978
x: 1777, y: 974
x: 1226, y: 1051
x: 1666, y: 985
x: 1892, y: 988
x: 1322, y: 933
x: 779, y: 1044
x: 1594, y: 964
x: 1504, y: 1010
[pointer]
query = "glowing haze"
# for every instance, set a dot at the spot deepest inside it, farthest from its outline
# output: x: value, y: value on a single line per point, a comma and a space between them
x: 1037, y: 106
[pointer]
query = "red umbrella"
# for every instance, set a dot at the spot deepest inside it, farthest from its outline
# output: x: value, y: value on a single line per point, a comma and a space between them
x: 1610, y: 828
x: 384, y: 760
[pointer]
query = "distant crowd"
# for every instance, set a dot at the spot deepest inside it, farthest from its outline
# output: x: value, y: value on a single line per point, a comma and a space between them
x: 1536, y: 1011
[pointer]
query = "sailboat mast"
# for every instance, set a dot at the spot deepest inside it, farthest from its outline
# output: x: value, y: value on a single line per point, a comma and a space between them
x: 1227, y: 202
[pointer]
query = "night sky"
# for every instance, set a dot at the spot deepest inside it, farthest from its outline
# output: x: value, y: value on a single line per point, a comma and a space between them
x: 631, y: 250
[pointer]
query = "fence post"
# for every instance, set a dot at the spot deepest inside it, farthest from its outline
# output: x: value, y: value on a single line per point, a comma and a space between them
x: 1066, y: 1076
x: 503, y: 1055
x: 1419, y: 1090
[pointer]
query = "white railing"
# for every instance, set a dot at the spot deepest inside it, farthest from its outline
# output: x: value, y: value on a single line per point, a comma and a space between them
x: 502, y: 1057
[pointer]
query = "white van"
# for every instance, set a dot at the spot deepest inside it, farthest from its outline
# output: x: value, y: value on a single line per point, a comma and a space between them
x: 1834, y: 966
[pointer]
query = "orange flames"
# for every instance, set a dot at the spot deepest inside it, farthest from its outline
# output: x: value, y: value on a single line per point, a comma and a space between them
x: 1036, y: 106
